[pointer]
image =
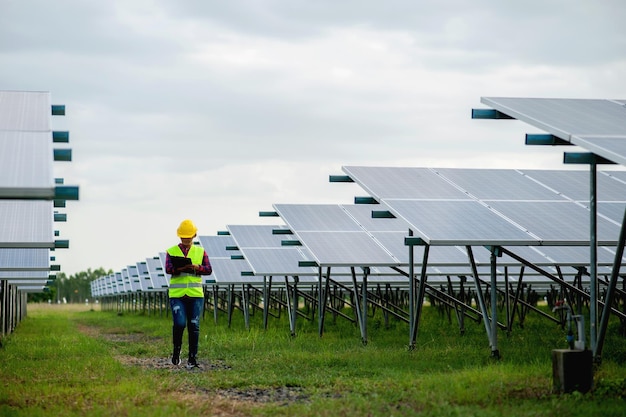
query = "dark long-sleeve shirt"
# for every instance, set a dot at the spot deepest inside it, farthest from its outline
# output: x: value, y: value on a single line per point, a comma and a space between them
x: 204, y: 269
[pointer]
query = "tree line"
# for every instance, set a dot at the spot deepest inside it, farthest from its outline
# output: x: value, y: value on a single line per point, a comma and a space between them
x: 73, y: 289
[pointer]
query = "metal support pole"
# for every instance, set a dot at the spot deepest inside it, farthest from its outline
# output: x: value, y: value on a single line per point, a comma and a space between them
x: 420, y: 294
x: 325, y: 298
x: 494, y: 307
x: 507, y: 296
x: 358, y: 309
x: 321, y: 312
x: 364, y: 306
x: 518, y: 294
x: 479, y: 292
x: 245, y: 306
x: 294, y: 310
x: 231, y: 303
x: 610, y: 293
x: 411, y: 294
x: 593, y: 256
x: 267, y: 287
x: 292, y: 306
x: 215, y: 301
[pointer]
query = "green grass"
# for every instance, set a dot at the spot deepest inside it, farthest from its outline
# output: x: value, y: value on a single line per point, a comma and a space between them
x: 72, y: 361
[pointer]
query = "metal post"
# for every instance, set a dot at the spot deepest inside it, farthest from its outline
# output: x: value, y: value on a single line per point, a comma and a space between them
x: 479, y: 292
x: 324, y: 293
x: 322, y: 302
x: 610, y: 293
x: 245, y: 306
x: 231, y: 303
x: 366, y: 271
x: 494, y: 307
x: 292, y: 304
x: 411, y: 293
x: 421, y: 292
x: 216, y: 289
x: 507, y: 296
x: 266, y: 299
x: 593, y: 255
x: 358, y: 310
x: 294, y: 310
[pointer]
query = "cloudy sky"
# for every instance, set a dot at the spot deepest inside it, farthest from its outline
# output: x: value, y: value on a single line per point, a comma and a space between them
x: 215, y: 110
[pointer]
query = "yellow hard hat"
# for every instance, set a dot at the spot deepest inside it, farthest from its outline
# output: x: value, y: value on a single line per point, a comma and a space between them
x: 186, y: 229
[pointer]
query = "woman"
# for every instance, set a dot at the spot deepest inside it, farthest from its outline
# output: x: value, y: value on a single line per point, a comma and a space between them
x: 186, y: 263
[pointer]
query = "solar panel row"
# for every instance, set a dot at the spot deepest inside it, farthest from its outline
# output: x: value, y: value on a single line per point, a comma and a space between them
x: 446, y: 207
x: 599, y: 127
x: 540, y: 216
x: 28, y: 190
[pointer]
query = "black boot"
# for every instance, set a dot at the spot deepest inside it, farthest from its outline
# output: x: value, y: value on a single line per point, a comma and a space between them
x: 192, y: 362
x: 176, y: 356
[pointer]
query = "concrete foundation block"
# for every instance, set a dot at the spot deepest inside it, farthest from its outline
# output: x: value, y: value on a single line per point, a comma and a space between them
x: 572, y: 370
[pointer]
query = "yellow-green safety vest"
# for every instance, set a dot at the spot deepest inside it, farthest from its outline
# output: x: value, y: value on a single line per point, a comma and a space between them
x: 186, y: 283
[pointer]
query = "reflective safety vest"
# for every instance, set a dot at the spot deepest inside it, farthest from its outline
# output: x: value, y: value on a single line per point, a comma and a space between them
x: 186, y: 283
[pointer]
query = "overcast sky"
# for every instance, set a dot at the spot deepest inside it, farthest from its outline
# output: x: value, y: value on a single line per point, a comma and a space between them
x: 214, y: 111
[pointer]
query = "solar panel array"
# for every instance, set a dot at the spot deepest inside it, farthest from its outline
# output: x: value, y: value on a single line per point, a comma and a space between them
x: 493, y: 207
x: 524, y: 210
x: 458, y: 207
x: 541, y: 217
x: 29, y: 193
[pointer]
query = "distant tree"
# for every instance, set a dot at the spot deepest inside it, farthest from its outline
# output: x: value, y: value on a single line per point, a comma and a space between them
x: 75, y: 288
x: 41, y: 297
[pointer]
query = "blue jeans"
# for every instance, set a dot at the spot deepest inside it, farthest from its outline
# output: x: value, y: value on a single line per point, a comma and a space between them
x: 186, y: 312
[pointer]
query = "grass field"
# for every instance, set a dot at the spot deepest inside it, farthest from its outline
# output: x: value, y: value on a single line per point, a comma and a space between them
x: 72, y: 360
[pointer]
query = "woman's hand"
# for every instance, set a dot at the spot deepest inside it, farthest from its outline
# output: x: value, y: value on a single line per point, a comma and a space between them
x: 192, y: 269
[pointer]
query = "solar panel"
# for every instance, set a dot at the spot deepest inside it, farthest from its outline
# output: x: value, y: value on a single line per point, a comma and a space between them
x: 318, y: 217
x: 128, y: 285
x: 26, y: 161
x: 440, y: 255
x: 277, y: 261
x: 24, y: 259
x: 346, y: 248
x: 403, y: 182
x: 215, y: 246
x: 497, y: 184
x: 362, y: 214
x: 25, y: 110
x: 26, y: 224
x: 333, y: 235
x: 133, y: 276
x: 258, y: 236
x: 596, y: 125
x: 18, y: 275
x: 157, y: 273
x: 611, y: 147
x: 505, y: 207
x: 619, y: 176
x: 556, y: 223
x: 458, y: 223
x: 265, y: 254
x: 144, y: 276
x: 123, y: 285
x: 612, y: 211
x: 575, y: 185
x: 109, y: 286
x: 565, y: 117
x: 576, y: 255
x: 33, y: 287
x: 228, y: 271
